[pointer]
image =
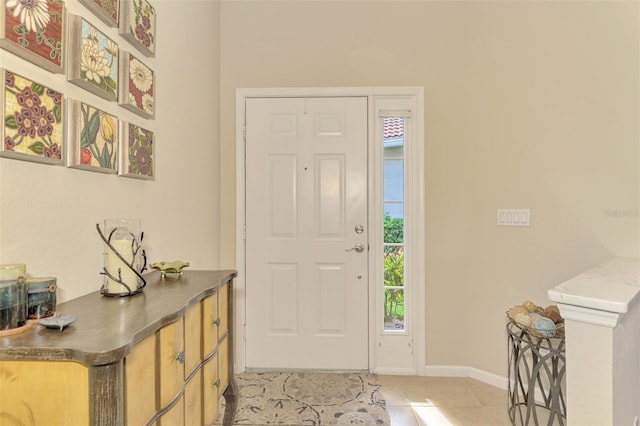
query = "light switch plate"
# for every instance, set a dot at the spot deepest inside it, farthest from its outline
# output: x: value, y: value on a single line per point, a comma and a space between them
x: 514, y: 217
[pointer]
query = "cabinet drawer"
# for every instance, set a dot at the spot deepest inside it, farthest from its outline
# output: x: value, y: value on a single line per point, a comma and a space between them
x: 44, y: 393
x: 223, y: 365
x: 210, y: 321
x: 192, y: 338
x: 171, y: 343
x: 175, y: 416
x: 193, y: 401
x: 140, y: 378
x: 210, y: 390
x: 223, y: 310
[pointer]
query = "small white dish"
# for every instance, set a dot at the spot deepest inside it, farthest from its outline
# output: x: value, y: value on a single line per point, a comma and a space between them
x: 57, y: 321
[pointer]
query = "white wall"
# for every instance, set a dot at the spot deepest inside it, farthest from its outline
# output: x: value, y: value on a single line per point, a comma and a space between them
x: 48, y: 213
x: 527, y: 105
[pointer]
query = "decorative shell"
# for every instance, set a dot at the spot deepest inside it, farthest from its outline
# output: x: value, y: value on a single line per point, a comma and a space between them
x: 537, y: 321
x: 552, y: 308
x: 544, y: 326
x: 516, y: 310
x: 523, y: 319
x: 531, y: 307
x: 553, y: 313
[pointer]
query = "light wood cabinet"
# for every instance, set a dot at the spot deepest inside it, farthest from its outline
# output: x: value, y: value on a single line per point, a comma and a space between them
x: 171, y: 363
x: 193, y: 337
x: 140, y: 376
x: 161, y: 358
x: 193, y: 398
x: 210, y: 388
x: 174, y: 415
x: 20, y: 380
x: 210, y: 323
x: 223, y: 366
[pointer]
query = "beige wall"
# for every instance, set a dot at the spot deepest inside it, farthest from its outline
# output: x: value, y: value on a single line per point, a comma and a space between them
x: 527, y: 105
x: 48, y: 213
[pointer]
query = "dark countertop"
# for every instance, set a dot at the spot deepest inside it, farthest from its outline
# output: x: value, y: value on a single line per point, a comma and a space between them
x: 107, y: 328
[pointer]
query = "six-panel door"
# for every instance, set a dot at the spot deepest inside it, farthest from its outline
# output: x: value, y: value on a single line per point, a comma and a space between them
x: 306, y: 233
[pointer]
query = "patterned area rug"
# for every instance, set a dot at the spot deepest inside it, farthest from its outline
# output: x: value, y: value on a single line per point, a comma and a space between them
x: 299, y: 399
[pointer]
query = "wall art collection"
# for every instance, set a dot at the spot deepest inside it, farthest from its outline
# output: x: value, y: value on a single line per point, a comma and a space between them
x: 41, y: 124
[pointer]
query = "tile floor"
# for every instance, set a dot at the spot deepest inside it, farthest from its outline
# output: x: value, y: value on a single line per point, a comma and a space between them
x: 443, y: 401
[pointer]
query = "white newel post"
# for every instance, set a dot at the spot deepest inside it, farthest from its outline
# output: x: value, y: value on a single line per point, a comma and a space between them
x: 601, y: 309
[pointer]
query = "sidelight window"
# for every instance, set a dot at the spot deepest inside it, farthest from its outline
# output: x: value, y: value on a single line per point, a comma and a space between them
x: 393, y: 221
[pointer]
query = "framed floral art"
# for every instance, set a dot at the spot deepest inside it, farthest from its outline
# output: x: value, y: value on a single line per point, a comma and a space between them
x: 106, y: 10
x: 93, y: 61
x: 92, y: 138
x: 138, y: 25
x: 136, y: 152
x: 34, y: 30
x: 137, y: 86
x: 32, y: 127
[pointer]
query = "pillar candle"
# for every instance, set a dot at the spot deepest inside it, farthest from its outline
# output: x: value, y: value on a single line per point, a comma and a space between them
x: 114, y: 263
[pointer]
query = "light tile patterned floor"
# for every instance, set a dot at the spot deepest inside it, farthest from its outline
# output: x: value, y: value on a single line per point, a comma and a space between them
x: 443, y: 401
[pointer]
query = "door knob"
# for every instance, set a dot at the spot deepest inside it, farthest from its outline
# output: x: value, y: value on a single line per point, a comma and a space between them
x: 358, y: 248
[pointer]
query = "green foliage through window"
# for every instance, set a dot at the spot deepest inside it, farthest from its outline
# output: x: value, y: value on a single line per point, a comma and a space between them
x: 394, y: 277
x: 393, y: 229
x: 393, y: 269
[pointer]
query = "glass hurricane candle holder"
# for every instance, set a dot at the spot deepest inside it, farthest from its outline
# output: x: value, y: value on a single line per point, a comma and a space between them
x: 124, y: 257
x: 41, y: 297
x: 13, y: 296
x: 13, y: 303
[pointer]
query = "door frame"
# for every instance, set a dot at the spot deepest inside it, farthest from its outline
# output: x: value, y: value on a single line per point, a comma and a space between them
x: 417, y: 158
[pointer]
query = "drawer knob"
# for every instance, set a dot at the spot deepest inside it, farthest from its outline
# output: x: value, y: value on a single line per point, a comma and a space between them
x: 180, y: 357
x: 217, y: 322
x: 217, y: 383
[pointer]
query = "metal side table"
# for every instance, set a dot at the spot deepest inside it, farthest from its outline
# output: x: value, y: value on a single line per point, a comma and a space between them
x: 536, y: 378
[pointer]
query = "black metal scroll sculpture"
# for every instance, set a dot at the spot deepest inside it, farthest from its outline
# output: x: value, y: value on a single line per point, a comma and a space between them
x: 136, y: 250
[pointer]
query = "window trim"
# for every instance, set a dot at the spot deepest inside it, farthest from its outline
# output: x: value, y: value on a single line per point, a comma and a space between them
x: 411, y: 108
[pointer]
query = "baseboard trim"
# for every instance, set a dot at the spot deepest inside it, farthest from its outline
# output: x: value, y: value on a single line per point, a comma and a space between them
x: 488, y: 378
x: 396, y: 371
x: 446, y: 371
x: 465, y: 371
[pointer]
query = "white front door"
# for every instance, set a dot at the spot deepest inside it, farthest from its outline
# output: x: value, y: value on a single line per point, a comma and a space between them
x: 306, y: 208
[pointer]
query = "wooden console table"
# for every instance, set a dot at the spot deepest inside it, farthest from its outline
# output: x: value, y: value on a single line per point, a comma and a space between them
x: 162, y: 357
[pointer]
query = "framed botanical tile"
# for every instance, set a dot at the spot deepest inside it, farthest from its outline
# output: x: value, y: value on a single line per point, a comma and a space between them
x: 34, y: 30
x: 32, y: 116
x: 93, y: 59
x: 92, y: 138
x: 106, y: 10
x: 137, y: 86
x: 138, y: 25
x: 136, y: 152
